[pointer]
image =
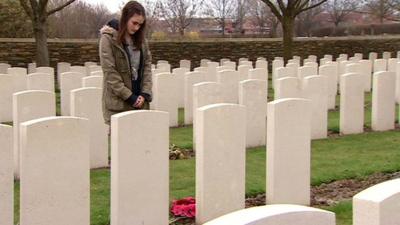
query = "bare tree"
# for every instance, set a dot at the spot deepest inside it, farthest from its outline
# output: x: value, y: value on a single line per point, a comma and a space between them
x: 286, y: 12
x: 262, y: 17
x: 178, y: 14
x: 239, y: 15
x: 307, y: 21
x: 220, y: 10
x: 339, y: 10
x: 380, y: 9
x: 152, y: 15
x: 80, y: 20
x: 38, y: 14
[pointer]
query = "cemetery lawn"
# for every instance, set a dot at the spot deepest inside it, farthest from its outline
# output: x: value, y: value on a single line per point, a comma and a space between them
x: 352, y: 156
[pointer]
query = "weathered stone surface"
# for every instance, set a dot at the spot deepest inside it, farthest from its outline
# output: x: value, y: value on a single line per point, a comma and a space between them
x: 277, y: 215
x: 289, y: 149
x: 40, y: 81
x: 6, y: 91
x: 352, y: 103
x: 220, y: 160
x: 6, y: 175
x: 253, y: 94
x: 383, y: 101
x: 87, y: 103
x: 140, y: 175
x: 29, y: 105
x: 66, y: 198
x: 378, y: 205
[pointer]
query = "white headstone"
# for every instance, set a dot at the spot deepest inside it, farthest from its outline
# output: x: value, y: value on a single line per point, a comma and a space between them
x: 294, y: 66
x: 29, y: 105
x: 205, y: 93
x: 262, y: 64
x: 345, y: 56
x: 179, y: 74
x: 231, y: 65
x: 55, y: 158
x: 288, y: 87
x: 190, y: 79
x: 165, y: 97
x: 6, y: 175
x: 4, y: 67
x: 330, y: 72
x: 380, y: 65
x: 40, y: 81
x: 68, y: 81
x: 97, y: 73
x: 164, y: 67
x: 20, y: 78
x: 184, y: 63
x: 87, y: 103
x: 223, y: 60
x: 284, y: 214
x: 372, y: 56
x: 253, y: 94
x: 378, y: 205
x: 313, y: 58
x: 93, y: 68
x: 276, y: 64
x: 244, y: 72
x: 392, y: 64
x: 211, y: 74
x: 386, y: 55
x: 201, y: 69
x: 246, y: 63
x: 359, y: 56
x: 139, y: 175
x: 92, y: 81
x: 366, y: 66
x: 220, y: 160
x: 31, y: 68
x: 162, y: 62
x: 383, y: 101
x: 397, y: 84
x: 6, y: 91
x: 45, y: 69
x: 328, y: 57
x: 352, y: 103
x: 203, y: 62
x: 229, y: 80
x: 259, y: 74
x: 62, y: 67
x: 306, y: 71
x: 284, y: 72
x: 289, y: 151
x: 315, y: 89
x: 78, y: 69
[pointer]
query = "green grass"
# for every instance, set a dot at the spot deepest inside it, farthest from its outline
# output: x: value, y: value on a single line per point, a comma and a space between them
x: 343, y: 212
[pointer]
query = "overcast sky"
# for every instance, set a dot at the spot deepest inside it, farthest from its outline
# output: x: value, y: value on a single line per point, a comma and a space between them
x: 112, y: 5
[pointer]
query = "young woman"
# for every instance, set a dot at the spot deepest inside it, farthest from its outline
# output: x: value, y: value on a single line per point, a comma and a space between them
x: 126, y: 62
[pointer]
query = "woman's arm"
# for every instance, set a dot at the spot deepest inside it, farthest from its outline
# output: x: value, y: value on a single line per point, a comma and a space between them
x: 111, y: 76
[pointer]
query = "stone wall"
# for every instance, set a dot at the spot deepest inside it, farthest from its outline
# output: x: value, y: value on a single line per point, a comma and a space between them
x: 19, y: 52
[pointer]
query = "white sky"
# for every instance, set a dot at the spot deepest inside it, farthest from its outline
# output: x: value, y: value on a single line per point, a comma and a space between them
x: 112, y: 5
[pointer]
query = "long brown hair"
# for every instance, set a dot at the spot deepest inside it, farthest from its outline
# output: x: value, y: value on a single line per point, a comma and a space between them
x: 130, y: 9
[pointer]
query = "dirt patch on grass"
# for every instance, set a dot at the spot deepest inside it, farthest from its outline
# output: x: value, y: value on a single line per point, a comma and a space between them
x: 332, y: 193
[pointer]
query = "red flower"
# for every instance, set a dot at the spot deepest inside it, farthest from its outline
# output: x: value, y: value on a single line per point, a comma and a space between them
x: 185, y: 207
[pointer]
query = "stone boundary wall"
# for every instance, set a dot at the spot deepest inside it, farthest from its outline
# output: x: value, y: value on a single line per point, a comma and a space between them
x: 19, y: 52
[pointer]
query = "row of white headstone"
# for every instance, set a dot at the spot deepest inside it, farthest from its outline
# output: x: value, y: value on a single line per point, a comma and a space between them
x: 317, y: 83
x: 84, y: 102
x: 17, y: 79
x: 55, y: 163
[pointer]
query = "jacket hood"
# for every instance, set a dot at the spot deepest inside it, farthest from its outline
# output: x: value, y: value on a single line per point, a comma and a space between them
x: 110, y: 28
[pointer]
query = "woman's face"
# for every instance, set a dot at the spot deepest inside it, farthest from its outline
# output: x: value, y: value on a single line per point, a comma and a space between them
x: 134, y: 23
